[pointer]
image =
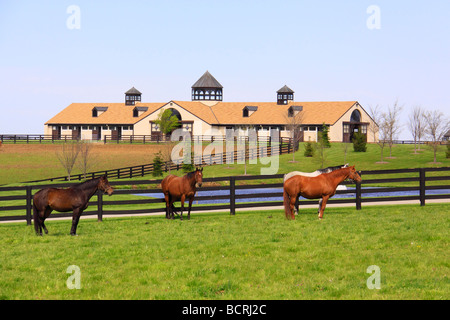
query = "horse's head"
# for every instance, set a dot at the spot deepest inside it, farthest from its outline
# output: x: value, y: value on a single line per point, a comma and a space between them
x: 353, y: 175
x: 104, y: 185
x: 198, y: 177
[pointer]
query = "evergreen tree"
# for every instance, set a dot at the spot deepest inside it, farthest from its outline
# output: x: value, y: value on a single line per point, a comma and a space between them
x: 359, y: 142
x: 309, y: 150
x: 158, y: 165
x: 324, y: 138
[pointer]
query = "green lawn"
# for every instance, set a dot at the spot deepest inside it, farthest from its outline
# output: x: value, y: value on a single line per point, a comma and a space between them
x: 20, y: 163
x: 253, y: 255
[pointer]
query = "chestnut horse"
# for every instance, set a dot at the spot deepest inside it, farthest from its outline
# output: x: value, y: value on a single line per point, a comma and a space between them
x: 74, y: 199
x: 323, y: 186
x: 179, y: 189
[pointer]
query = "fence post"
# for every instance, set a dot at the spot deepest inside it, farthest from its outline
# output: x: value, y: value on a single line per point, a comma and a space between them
x: 232, y: 196
x: 100, y: 205
x: 422, y: 186
x: 29, y: 208
x: 358, y: 194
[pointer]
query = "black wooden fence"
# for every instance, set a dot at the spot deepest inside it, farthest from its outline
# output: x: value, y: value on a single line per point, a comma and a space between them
x: 283, y: 147
x: 19, y: 199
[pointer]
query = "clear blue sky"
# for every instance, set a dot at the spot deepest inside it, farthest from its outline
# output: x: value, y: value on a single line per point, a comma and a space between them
x: 323, y: 50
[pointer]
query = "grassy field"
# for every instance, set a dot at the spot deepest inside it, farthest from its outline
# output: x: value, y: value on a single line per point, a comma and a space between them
x: 253, y: 255
x: 20, y: 163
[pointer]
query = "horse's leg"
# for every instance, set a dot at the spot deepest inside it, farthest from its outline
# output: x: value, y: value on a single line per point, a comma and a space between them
x: 183, y: 197
x: 167, y: 199
x: 320, y: 204
x: 190, y: 206
x: 323, y: 204
x: 37, y: 220
x: 297, y: 202
x: 47, y: 212
x: 170, y: 208
x: 292, y: 206
x: 174, y: 210
x: 75, y: 218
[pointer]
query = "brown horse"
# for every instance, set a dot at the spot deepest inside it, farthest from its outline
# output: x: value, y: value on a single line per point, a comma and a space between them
x: 178, y: 189
x: 74, y: 199
x: 323, y: 186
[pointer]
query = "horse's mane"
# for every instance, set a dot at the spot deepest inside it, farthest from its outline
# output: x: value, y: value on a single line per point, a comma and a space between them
x: 337, y: 171
x: 315, y: 173
x: 189, y: 175
x: 330, y: 169
x: 88, y: 183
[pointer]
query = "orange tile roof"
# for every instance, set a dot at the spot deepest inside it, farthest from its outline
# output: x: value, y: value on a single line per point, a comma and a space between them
x: 221, y: 113
x: 267, y: 112
x: 117, y: 113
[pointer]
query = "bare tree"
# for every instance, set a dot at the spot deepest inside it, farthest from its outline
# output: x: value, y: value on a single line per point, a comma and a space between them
x: 345, y: 146
x: 392, y: 119
x: 383, y: 134
x: 294, y: 119
x: 86, y: 159
x: 67, y: 156
x: 416, y: 125
x: 376, y: 115
x: 436, y: 127
x: 378, y: 128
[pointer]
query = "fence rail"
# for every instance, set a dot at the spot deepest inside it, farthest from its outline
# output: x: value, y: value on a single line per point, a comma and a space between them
x: 39, y: 138
x: 19, y: 199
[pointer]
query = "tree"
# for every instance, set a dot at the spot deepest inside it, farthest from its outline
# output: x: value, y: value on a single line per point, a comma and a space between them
x: 319, y: 152
x: 345, y: 146
x: 323, y: 136
x: 67, y: 156
x: 294, y: 119
x: 157, y: 165
x: 393, y: 127
x: 309, y: 150
x: 167, y: 121
x: 416, y: 125
x: 383, y: 134
x: 85, y: 158
x: 378, y: 128
x: 376, y: 115
x: 359, y: 142
x: 436, y: 127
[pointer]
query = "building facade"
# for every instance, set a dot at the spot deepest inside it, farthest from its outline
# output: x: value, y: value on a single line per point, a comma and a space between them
x: 207, y: 114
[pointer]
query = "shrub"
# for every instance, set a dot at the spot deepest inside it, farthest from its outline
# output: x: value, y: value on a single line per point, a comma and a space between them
x: 447, y: 154
x: 158, y: 165
x: 359, y: 142
x: 309, y: 150
x: 188, y: 167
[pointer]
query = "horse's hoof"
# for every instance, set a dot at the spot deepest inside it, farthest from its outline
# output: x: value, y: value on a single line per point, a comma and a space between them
x: 74, y: 235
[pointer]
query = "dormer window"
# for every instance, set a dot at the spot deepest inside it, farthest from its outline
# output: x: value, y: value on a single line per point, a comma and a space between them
x: 138, y: 111
x: 294, y: 110
x: 248, y: 111
x: 98, y: 111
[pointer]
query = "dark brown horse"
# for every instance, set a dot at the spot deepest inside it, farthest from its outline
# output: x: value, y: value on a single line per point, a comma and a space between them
x: 323, y: 186
x: 179, y: 189
x: 74, y: 199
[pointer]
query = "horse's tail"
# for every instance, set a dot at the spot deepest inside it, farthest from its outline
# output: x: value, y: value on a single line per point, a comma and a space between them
x: 35, y: 217
x: 287, y: 204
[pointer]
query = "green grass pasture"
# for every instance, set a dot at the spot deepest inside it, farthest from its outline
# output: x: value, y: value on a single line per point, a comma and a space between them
x: 253, y: 255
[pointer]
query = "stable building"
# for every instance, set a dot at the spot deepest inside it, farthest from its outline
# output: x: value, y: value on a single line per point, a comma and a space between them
x: 208, y: 114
